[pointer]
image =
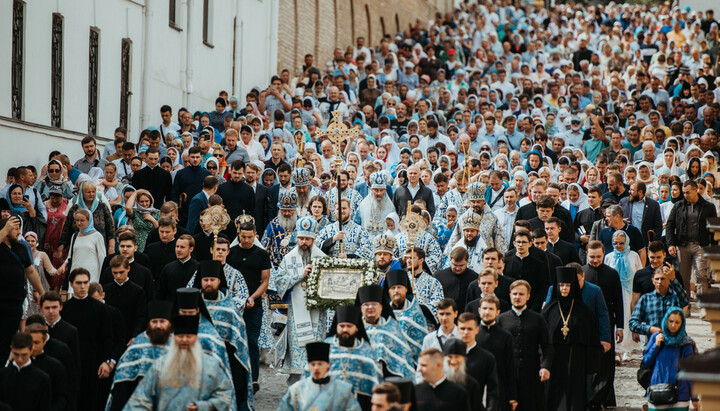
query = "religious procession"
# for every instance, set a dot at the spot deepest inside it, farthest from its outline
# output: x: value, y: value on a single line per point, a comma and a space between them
x: 510, y: 207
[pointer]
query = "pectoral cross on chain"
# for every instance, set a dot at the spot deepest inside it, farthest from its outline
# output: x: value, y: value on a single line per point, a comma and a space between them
x: 565, y: 330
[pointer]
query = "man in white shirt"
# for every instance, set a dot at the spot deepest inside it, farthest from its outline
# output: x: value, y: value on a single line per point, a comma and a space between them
x: 446, y: 314
x: 506, y: 215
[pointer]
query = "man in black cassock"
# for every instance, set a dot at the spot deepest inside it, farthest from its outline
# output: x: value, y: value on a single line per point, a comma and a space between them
x: 128, y: 297
x: 24, y: 386
x: 436, y: 392
x: 456, y: 279
x: 557, y: 245
x: 540, y: 243
x: 95, y: 332
x: 139, y: 272
x: 499, y: 342
x: 488, y: 281
x: 162, y: 252
x: 61, y: 352
x: 533, y: 351
x: 576, y: 343
x: 491, y: 258
x: 455, y: 370
x: 52, y: 367
x: 480, y: 363
x: 605, y: 277
x: 59, y: 329
x: 177, y: 273
x: 523, y: 266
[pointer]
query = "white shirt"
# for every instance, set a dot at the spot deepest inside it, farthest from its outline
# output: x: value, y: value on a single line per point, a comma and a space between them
x: 413, y: 190
x: 254, y: 148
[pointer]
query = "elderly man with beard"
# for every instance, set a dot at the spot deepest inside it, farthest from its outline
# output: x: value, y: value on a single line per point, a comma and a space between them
x: 321, y: 391
x: 352, y: 355
x: 229, y: 323
x: 455, y: 370
x: 303, y: 326
x: 185, y: 378
x: 278, y: 239
x: 470, y: 241
x: 384, y: 248
x: 347, y: 193
x: 354, y: 239
x: 301, y: 180
x: 406, y: 309
x: 372, y: 210
x: 489, y: 230
x: 139, y: 356
x: 437, y: 392
x: 390, y: 347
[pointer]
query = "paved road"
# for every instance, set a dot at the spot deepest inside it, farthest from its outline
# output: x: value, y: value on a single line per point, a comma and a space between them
x: 628, y: 392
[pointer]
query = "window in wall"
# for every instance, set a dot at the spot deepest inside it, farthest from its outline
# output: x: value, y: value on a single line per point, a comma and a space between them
x: 208, y: 22
x: 125, y: 93
x: 18, y: 45
x: 172, y: 16
x: 93, y: 68
x: 56, y: 71
x: 369, y: 25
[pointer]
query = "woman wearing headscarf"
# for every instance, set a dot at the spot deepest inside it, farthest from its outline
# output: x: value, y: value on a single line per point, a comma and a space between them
x: 663, y: 352
x: 54, y: 179
x: 533, y: 162
x: 392, y: 221
x: 693, y: 170
x: 87, y: 246
x: 143, y: 216
x: 576, y: 343
x: 88, y: 198
x: 577, y: 200
x: 31, y: 217
x: 626, y: 262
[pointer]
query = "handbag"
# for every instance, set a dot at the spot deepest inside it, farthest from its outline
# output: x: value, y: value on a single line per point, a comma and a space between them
x: 644, y: 374
x: 662, y: 394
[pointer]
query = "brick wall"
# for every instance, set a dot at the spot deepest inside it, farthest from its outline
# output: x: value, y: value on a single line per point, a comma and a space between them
x: 318, y: 26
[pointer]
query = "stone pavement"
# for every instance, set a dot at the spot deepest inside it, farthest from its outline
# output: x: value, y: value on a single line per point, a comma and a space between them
x: 628, y: 392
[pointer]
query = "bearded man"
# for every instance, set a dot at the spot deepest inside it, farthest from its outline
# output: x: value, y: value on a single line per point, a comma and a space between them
x: 488, y: 229
x: 455, y: 370
x: 185, y: 378
x: 471, y: 241
x: 230, y: 325
x: 355, y: 240
x: 353, y: 358
x: 384, y: 248
x: 425, y: 240
x: 391, y: 349
x: 277, y: 240
x: 373, y: 210
x: 301, y: 180
x: 303, y: 326
x: 139, y: 356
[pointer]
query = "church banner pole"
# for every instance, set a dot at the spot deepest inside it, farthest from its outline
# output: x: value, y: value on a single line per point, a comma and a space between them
x: 339, y: 202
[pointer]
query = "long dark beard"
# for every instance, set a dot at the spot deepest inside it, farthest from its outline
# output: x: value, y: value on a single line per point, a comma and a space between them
x: 471, y: 243
x: 305, y: 254
x: 348, y: 341
x: 211, y: 295
x: 158, y: 336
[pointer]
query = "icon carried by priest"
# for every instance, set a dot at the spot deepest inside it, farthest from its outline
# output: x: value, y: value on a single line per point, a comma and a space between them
x: 321, y: 391
x: 185, y: 377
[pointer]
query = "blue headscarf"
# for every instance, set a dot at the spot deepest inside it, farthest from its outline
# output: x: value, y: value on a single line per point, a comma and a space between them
x: 90, y: 227
x: 680, y: 338
x: 81, y: 199
x: 15, y: 210
x: 527, y: 165
x: 660, y: 200
x: 622, y: 263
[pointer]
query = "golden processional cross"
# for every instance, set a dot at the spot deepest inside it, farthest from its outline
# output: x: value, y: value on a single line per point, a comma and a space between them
x: 337, y: 132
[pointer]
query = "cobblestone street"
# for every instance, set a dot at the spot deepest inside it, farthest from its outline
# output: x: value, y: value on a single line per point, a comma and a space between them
x: 629, y: 394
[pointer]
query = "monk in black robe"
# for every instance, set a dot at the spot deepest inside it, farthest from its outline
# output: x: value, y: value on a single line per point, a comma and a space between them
x: 436, y: 392
x: 576, y: 344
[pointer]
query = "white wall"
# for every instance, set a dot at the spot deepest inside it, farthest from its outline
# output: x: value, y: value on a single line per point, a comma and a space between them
x: 180, y: 69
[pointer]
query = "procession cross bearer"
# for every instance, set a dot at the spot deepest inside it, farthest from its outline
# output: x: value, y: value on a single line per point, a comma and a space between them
x: 338, y: 132
x: 303, y: 326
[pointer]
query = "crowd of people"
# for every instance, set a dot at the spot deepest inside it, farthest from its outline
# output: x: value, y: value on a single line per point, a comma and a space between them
x: 531, y: 183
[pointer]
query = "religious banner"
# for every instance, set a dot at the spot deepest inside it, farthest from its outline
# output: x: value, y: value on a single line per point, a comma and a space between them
x: 335, y: 281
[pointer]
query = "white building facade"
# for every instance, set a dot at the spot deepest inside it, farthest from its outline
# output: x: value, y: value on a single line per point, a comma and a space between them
x: 69, y: 69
